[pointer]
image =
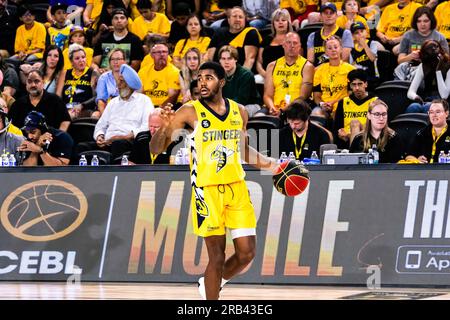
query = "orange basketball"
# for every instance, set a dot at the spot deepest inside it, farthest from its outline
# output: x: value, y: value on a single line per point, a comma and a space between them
x: 291, y: 178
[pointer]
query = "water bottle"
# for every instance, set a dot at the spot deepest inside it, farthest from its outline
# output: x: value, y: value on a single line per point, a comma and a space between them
x: 12, y: 160
x: 376, y: 154
x: 370, y: 156
x: 83, y: 161
x: 94, y: 161
x: 283, y: 157
x: 179, y: 157
x: 124, y: 161
x: 5, y: 160
x: 442, y: 157
x: 447, y: 157
x: 314, y: 155
x: 291, y: 156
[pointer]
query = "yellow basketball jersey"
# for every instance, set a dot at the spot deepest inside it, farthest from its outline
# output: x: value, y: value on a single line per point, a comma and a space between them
x: 215, y: 146
x: 287, y: 80
x: 355, y: 111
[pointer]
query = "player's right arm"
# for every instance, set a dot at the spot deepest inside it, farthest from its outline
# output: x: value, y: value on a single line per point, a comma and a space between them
x: 171, y: 126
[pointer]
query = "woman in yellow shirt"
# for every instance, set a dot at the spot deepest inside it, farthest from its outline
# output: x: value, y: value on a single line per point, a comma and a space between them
x: 197, y: 39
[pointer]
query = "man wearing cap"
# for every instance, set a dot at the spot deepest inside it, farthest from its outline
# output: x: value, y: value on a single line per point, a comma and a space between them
x: 316, y: 50
x: 124, y: 117
x: 364, y: 53
x: 119, y: 37
x: 59, y: 31
x: 350, y: 117
x: 44, y: 145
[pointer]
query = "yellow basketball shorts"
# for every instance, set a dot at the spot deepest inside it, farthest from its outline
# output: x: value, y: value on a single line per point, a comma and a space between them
x: 217, y: 207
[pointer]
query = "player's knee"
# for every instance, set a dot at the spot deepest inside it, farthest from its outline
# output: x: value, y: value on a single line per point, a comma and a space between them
x: 218, y: 259
x: 245, y: 257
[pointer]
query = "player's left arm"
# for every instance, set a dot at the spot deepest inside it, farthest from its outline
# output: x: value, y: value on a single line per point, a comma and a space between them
x: 250, y: 155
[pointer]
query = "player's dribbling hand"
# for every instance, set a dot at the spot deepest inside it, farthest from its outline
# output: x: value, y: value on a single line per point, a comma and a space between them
x: 166, y: 114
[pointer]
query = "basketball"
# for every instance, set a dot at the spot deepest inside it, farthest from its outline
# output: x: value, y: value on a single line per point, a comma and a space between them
x: 291, y: 178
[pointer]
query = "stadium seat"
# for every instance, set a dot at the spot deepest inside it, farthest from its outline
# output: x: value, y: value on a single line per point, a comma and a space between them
x: 386, y: 63
x: 81, y: 131
x: 260, y: 131
x: 407, y: 125
x: 394, y: 93
x: 104, y: 157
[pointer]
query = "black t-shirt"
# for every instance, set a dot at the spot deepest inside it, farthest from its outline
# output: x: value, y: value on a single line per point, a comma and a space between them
x: 60, y: 147
x: 177, y: 32
x: 223, y: 37
x: 51, y: 106
x: 8, y: 26
x: 270, y: 53
x: 392, y: 152
x: 315, y: 137
x: 423, y: 143
x: 131, y: 44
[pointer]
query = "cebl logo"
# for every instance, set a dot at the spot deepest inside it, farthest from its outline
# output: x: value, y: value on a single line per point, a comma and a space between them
x: 43, y: 210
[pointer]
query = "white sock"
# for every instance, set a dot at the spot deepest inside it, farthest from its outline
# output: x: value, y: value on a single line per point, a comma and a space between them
x: 224, y: 281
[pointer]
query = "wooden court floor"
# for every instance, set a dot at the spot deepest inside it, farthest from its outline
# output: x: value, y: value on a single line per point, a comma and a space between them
x: 188, y: 291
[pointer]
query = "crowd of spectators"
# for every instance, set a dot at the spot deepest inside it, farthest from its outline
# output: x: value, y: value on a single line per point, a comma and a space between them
x: 314, y: 68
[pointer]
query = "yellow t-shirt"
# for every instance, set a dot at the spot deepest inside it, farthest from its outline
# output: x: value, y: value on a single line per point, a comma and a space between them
x: 160, y: 25
x: 59, y: 37
x: 97, y: 6
x: 298, y: 6
x: 442, y: 14
x: 287, y: 81
x: 342, y: 21
x: 89, y: 55
x: 183, y: 46
x: 394, y: 22
x: 333, y: 81
x: 27, y: 40
x: 216, y: 143
x: 156, y: 84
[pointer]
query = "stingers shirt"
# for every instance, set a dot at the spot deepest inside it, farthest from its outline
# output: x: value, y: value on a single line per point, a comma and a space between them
x: 442, y: 14
x: 394, y: 22
x: 215, y: 145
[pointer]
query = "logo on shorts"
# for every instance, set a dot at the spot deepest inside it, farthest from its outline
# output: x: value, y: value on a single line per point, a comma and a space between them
x: 206, y: 124
x: 221, y: 154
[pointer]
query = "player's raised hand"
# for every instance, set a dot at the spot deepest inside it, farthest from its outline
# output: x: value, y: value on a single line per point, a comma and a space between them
x: 166, y: 114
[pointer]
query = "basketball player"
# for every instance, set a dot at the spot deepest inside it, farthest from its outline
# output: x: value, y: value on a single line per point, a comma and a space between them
x: 220, y: 198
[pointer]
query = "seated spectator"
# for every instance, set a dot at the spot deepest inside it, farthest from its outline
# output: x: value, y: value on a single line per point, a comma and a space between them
x: 377, y: 132
x: 288, y: 78
x: 214, y: 14
x: 196, y: 39
x: 364, y: 54
x: 299, y: 11
x: 140, y: 153
x: 29, y: 44
x: 191, y: 62
x: 272, y: 46
x: 8, y: 27
x: 119, y: 37
x: 351, y: 15
x: 76, y: 86
x: 9, y: 142
x: 301, y: 136
x: 37, y: 99
x: 45, y: 145
x: 316, y: 50
x: 150, y: 23
x: 178, y: 31
x: 107, y: 82
x: 432, y: 139
x: 161, y: 80
x: 428, y: 78
x: 351, y: 112
x: 240, y: 83
x: 78, y: 35
x: 194, y: 90
x: 442, y: 14
x: 52, y: 66
x: 330, y: 78
x: 394, y: 22
x: 76, y: 6
x: 9, y: 100
x: 258, y: 12
x: 423, y: 28
x: 58, y: 32
x: 245, y: 39
x: 124, y: 117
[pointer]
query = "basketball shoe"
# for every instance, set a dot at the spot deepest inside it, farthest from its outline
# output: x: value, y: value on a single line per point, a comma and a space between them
x: 202, y: 289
